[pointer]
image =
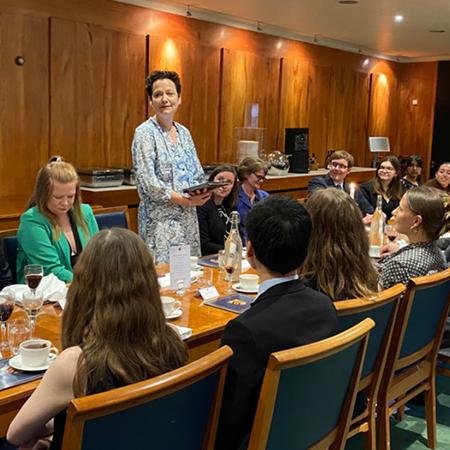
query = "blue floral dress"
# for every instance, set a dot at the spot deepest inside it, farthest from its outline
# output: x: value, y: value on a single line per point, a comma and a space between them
x: 161, y: 168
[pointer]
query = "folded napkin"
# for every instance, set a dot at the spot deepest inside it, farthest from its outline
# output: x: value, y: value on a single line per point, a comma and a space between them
x: 51, y: 288
x: 164, y: 281
x: 184, y: 332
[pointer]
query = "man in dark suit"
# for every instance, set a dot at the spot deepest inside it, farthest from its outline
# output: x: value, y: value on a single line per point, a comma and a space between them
x: 340, y: 164
x: 284, y: 315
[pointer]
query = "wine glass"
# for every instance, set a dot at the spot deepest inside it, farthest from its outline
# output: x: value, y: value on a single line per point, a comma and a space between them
x: 6, y: 308
x: 33, y: 273
x: 389, y: 231
x: 32, y: 303
x: 227, y: 269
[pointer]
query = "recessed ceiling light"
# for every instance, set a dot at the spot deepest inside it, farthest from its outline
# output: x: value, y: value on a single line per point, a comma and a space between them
x: 348, y: 2
x: 437, y: 31
x: 398, y: 18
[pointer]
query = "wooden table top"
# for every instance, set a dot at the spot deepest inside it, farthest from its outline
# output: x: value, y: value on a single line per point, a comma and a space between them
x: 207, y: 324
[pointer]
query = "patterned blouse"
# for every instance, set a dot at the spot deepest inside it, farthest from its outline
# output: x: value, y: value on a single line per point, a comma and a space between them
x: 414, y: 260
x: 161, y: 168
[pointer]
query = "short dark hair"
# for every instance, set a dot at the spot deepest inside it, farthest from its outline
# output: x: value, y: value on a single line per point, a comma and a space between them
x: 162, y: 75
x: 414, y: 159
x: 279, y: 229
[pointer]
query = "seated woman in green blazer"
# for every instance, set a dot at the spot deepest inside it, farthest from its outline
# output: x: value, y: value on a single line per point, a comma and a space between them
x: 56, y: 226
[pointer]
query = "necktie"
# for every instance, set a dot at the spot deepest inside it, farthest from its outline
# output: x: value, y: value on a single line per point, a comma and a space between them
x: 339, y: 186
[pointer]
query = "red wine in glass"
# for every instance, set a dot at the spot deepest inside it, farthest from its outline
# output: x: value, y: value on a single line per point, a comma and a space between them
x: 391, y: 237
x: 229, y: 269
x: 33, y: 281
x: 5, y: 311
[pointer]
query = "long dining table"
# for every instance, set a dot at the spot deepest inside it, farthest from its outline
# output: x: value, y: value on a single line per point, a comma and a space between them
x: 207, y: 324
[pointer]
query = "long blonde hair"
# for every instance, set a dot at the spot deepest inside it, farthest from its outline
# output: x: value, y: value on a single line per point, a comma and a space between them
x: 114, y: 313
x: 63, y: 172
x: 338, y: 251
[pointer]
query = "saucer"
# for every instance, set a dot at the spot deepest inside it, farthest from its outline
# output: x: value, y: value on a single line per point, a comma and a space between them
x: 175, y: 314
x: 196, y: 267
x: 16, y: 363
x: 238, y: 288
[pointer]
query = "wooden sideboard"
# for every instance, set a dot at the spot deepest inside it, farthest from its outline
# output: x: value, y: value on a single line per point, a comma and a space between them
x: 292, y: 184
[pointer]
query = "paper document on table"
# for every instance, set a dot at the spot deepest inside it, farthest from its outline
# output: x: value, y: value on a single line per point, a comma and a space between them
x: 180, y: 266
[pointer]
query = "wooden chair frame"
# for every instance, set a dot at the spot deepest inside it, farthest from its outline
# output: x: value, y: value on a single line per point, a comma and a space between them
x: 113, y: 209
x: 102, y: 404
x: 407, y: 377
x: 300, y: 356
x: 366, y: 421
x: 8, y: 233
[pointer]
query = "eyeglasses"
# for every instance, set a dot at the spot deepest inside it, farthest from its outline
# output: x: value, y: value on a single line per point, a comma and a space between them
x: 337, y: 165
x: 389, y: 169
x: 260, y: 178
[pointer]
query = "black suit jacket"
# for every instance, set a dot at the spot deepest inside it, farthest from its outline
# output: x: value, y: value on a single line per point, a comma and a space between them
x: 368, y: 191
x: 285, y: 316
x: 325, y: 181
x: 212, y: 228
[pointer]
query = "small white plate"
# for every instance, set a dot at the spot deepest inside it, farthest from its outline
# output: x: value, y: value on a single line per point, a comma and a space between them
x: 238, y: 288
x: 16, y: 363
x: 175, y: 314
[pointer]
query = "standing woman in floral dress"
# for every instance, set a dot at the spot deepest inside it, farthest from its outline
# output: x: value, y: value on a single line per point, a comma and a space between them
x: 166, y: 162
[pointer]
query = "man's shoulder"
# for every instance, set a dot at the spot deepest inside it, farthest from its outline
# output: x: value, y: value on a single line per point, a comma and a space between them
x: 319, y: 181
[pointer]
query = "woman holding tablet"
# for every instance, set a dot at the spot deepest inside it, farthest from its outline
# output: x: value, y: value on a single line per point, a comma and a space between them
x: 166, y: 163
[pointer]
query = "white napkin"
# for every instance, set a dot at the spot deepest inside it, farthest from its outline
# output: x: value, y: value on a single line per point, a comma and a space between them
x: 51, y: 288
x: 184, y: 332
x: 164, y: 281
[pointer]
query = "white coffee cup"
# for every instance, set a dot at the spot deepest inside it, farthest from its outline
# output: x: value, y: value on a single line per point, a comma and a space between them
x: 35, y: 352
x: 249, y: 281
x: 170, y: 305
x: 194, y: 262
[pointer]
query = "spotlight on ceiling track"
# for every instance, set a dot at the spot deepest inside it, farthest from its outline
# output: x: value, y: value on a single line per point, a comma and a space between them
x: 259, y: 26
x: 188, y: 11
x: 398, y: 18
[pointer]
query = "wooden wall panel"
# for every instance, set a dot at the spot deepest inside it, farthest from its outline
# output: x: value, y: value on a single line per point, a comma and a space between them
x: 97, y: 92
x: 304, y: 100
x: 23, y: 103
x: 348, y: 106
x: 248, y: 78
x: 199, y: 69
x: 383, y: 109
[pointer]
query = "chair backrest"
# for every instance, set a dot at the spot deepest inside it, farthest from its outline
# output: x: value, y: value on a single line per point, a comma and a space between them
x: 308, y: 393
x: 382, y: 309
x: 177, y: 410
x: 10, y: 247
x: 421, y: 320
x: 116, y: 216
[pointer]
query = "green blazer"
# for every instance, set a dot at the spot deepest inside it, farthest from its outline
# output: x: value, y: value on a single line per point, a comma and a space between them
x: 36, y: 244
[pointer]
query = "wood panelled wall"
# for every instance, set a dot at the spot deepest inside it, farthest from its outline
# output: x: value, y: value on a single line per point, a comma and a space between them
x: 81, y: 90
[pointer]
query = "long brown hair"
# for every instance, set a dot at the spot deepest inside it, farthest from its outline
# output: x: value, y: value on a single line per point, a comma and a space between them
x: 394, y: 189
x: 338, y: 251
x: 63, y: 172
x: 114, y: 313
x: 433, y: 205
x: 230, y: 201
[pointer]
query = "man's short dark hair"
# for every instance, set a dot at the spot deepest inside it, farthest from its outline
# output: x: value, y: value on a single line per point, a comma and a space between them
x: 162, y: 75
x: 279, y: 229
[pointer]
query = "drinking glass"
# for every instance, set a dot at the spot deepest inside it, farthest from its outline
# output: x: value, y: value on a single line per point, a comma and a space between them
x: 6, y: 308
x: 33, y: 273
x: 18, y: 331
x: 390, y: 232
x: 32, y: 303
x: 227, y: 270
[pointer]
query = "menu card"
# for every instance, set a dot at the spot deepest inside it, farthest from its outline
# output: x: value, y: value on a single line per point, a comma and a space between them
x: 180, y: 266
x: 237, y: 303
x: 10, y: 377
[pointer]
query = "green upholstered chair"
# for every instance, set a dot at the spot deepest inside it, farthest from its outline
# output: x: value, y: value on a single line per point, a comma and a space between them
x: 411, y: 363
x: 176, y: 410
x: 382, y: 309
x: 308, y: 393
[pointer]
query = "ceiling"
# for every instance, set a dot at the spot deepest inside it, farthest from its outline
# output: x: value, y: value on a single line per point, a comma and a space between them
x: 367, y: 27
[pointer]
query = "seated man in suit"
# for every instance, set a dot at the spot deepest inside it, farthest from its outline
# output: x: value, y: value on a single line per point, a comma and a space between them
x: 340, y: 164
x: 284, y: 315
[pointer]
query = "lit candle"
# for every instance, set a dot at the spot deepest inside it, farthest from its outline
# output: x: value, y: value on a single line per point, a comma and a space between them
x: 352, y: 190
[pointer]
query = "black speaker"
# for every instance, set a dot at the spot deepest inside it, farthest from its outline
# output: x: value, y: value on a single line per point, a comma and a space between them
x: 296, y: 145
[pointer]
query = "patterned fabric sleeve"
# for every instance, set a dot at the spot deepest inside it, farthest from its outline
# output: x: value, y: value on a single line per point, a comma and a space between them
x: 393, y: 272
x: 143, y: 153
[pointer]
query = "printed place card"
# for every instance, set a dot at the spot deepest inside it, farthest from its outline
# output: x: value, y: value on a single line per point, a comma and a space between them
x: 180, y: 266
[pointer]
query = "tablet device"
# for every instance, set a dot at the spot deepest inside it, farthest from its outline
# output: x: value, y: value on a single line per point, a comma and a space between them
x: 209, y: 186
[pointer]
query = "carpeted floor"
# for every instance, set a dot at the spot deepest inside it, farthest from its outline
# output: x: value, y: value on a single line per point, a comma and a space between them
x: 411, y: 433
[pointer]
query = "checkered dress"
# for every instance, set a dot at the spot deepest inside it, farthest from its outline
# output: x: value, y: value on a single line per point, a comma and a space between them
x: 414, y: 260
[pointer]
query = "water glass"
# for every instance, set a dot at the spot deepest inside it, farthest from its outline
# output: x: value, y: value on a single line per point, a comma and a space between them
x: 18, y: 331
